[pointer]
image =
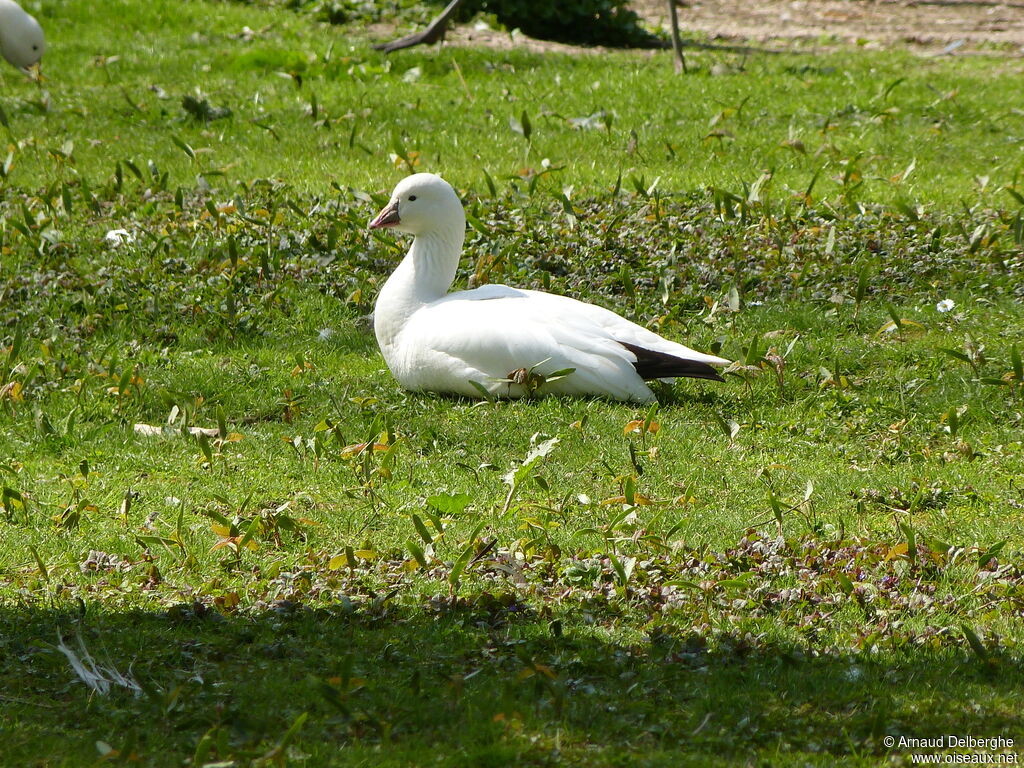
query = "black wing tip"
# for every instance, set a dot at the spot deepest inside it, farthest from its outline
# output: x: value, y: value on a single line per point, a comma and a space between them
x: 651, y: 364
x: 711, y: 374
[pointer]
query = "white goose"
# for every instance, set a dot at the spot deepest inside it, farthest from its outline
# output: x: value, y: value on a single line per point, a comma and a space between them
x: 22, y: 41
x: 506, y: 340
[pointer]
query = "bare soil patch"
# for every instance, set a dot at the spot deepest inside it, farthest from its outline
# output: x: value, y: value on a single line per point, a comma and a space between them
x: 933, y: 25
x: 927, y: 26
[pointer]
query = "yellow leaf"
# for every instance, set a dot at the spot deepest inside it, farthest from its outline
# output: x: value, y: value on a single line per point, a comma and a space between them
x: 898, y: 551
x: 234, y: 437
x: 352, y: 450
x: 367, y: 554
x: 338, y: 561
x: 12, y: 391
x: 637, y: 425
x: 638, y: 499
x: 545, y: 670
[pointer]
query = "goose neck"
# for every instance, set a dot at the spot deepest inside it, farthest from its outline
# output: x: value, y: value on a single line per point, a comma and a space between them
x: 434, y: 259
x: 424, y: 276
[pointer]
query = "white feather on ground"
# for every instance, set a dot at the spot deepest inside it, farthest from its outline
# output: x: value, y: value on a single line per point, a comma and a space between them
x: 98, y: 678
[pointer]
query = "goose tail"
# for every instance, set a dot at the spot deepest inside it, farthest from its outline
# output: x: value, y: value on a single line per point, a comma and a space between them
x: 652, y: 364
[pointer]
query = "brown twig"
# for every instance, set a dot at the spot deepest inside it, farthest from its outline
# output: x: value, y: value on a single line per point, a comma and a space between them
x: 432, y: 34
x: 677, y: 43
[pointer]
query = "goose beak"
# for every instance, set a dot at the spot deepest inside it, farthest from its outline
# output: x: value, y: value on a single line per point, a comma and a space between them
x: 387, y: 218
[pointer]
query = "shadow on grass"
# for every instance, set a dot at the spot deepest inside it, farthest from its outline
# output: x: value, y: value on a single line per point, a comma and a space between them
x: 489, y: 684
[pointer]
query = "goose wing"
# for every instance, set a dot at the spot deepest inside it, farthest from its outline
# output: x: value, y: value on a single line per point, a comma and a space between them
x: 487, y: 334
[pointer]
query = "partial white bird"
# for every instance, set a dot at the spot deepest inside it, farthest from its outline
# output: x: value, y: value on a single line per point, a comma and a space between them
x: 22, y: 41
x: 506, y: 340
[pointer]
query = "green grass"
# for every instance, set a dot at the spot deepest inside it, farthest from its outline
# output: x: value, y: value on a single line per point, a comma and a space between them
x: 789, y: 567
x: 865, y: 116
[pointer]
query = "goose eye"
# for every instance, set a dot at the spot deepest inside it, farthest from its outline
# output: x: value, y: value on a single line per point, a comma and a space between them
x: 411, y: 198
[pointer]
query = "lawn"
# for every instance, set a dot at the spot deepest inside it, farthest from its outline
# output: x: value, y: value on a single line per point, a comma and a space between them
x: 785, y: 569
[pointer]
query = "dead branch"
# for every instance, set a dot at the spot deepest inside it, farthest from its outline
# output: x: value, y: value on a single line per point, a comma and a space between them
x: 432, y: 34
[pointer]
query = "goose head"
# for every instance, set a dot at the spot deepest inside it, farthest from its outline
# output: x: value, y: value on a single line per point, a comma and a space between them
x: 422, y: 204
x: 22, y: 41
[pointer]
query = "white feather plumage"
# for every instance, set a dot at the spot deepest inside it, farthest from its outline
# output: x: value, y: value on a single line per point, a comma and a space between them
x: 437, y: 341
x: 22, y: 41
